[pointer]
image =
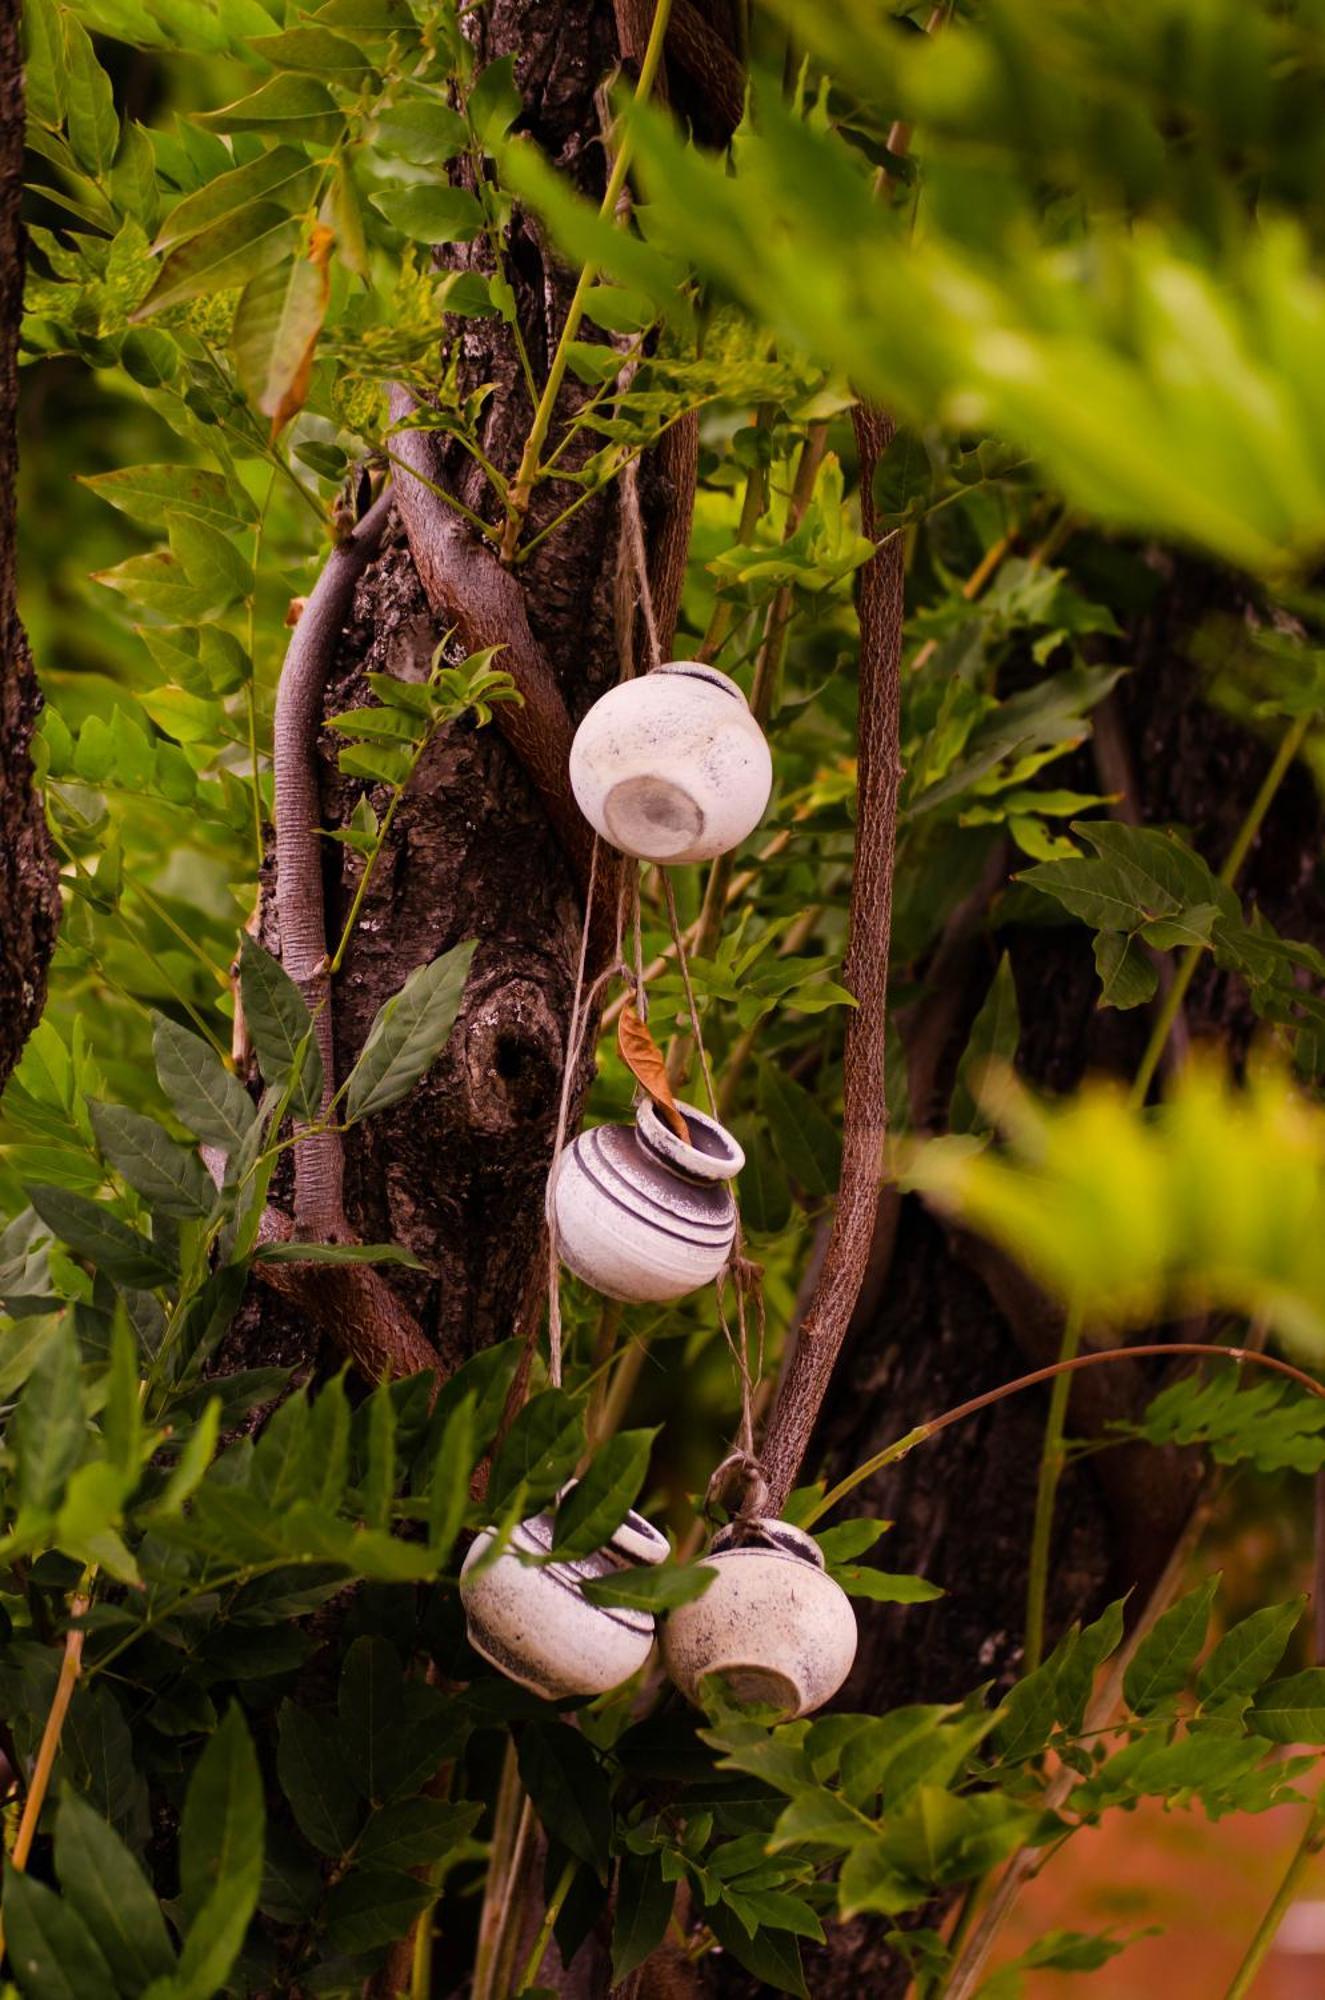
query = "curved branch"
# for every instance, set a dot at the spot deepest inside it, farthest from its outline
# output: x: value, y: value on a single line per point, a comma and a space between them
x: 467, y: 587
x: 319, y: 1210
x: 352, y: 1304
x: 864, y: 974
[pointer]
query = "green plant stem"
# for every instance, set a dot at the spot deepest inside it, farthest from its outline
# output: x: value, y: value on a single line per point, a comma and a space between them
x: 546, y: 1928
x: 1167, y: 1012
x: 527, y: 471
x: 1046, y: 1492
x: 1311, y: 1844
x: 901, y: 1446
x: 250, y: 685
x: 365, y: 877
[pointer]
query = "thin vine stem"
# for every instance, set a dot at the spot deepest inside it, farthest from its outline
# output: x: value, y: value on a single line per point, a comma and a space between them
x: 1046, y: 1493
x: 48, y: 1749
x: 527, y: 470
x: 1167, y: 1012
x: 546, y: 1928
x: 902, y: 1446
x: 1310, y: 1845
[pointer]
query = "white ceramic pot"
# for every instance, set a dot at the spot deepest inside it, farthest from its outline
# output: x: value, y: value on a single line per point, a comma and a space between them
x: 532, y: 1622
x: 642, y: 1215
x: 775, y: 1624
x: 672, y: 766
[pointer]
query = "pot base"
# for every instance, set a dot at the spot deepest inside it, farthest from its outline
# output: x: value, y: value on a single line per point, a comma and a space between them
x: 651, y: 819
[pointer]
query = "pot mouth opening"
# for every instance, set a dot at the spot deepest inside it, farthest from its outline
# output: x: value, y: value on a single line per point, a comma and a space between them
x: 699, y: 670
x: 767, y: 1537
x: 708, y: 1153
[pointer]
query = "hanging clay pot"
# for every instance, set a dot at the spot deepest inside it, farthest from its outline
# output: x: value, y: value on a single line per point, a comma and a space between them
x: 643, y: 1215
x: 775, y: 1624
x: 672, y: 766
x: 531, y: 1621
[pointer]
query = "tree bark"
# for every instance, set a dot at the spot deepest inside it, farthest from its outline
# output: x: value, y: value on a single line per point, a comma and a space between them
x: 949, y: 1317
x: 29, y: 891
x: 457, y: 1172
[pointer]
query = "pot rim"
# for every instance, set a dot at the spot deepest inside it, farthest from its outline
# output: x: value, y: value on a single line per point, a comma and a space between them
x: 768, y: 1536
x: 700, y: 670
x: 718, y: 1156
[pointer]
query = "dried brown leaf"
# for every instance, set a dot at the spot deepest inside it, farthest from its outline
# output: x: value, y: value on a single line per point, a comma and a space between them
x: 644, y: 1059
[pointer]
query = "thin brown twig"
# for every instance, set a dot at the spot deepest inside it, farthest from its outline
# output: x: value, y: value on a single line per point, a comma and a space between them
x: 865, y: 975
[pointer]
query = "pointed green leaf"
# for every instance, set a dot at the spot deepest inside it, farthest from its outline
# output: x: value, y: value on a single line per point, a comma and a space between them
x: 599, y: 1501
x: 110, y: 1892
x: 52, y: 1953
x: 169, y: 1178
x: 310, y: 1763
x: 410, y: 1032
x: 1162, y: 1664
x: 229, y: 253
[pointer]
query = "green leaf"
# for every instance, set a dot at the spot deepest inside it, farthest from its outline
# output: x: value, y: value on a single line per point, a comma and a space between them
x: 660, y: 1588
x: 317, y: 50
x: 448, y: 1490
x: 373, y: 1906
x: 1246, y: 1656
x: 48, y: 1427
x: 764, y: 1193
x: 644, y: 1900
x: 94, y: 129
x: 221, y: 1830
x: 849, y: 1539
x: 993, y: 1039
x: 213, y: 562
x: 808, y: 1143
x: 416, y: 1832
x: 884, y: 1586
x: 432, y: 214
x: 409, y: 1033
x: 380, y: 763
x: 91, y: 1231
x: 338, y: 1253
x: 1128, y: 977
x: 45, y: 65
x: 540, y: 1451
x: 193, y: 1461
x: 1162, y: 1664
x: 289, y: 107
x: 598, y: 1503
x: 771, y: 1956
x: 280, y: 1024
x: 145, y: 491
x: 310, y: 1763
x: 494, y: 102
x: 170, y: 1179
x: 1292, y: 1710
x: 568, y: 1789
x: 285, y: 176
x: 419, y: 130
x: 229, y: 253
x: 109, y: 1891
x: 902, y: 481
x: 52, y: 1953
x: 275, y: 334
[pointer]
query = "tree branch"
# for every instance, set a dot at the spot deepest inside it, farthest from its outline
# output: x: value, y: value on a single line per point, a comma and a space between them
x: 864, y: 974
x: 468, y: 588
x: 319, y: 1211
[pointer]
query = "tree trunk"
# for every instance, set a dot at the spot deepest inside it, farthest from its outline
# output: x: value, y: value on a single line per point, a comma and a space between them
x: 29, y: 892
x: 457, y: 1172
x: 946, y: 1317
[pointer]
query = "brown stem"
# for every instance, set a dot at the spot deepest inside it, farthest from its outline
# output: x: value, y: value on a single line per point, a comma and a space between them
x: 865, y: 975
x: 469, y: 589
x: 319, y: 1210
x: 48, y: 1749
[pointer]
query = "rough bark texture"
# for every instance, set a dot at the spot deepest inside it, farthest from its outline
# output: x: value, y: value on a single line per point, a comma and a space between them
x: 950, y: 1318
x: 29, y: 896
x: 457, y: 1172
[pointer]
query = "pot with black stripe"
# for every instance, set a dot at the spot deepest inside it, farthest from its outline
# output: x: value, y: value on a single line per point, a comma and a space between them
x: 529, y: 1618
x: 777, y: 1629
x: 643, y: 1215
x: 672, y: 766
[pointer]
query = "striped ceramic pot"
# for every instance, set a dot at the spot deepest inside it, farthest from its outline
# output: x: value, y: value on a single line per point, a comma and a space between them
x: 774, y: 1624
x: 643, y: 1215
x: 531, y: 1621
x: 672, y: 766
